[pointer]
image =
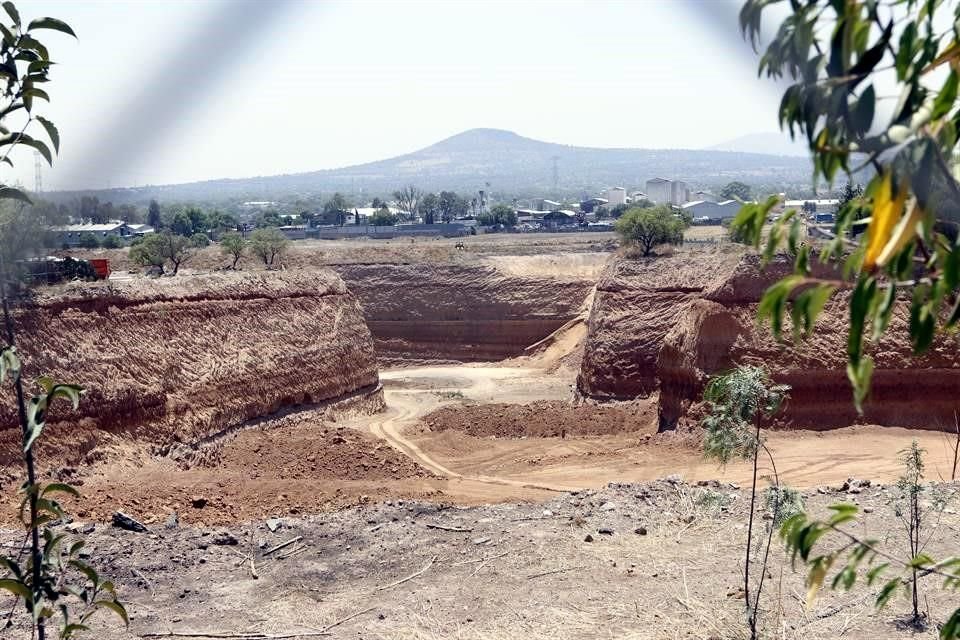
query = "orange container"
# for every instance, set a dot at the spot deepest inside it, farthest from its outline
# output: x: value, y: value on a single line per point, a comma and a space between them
x: 102, y: 267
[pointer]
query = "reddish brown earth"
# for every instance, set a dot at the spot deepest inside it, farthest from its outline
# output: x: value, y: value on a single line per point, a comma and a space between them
x: 637, y: 302
x: 669, y: 324
x: 179, y: 360
x: 431, y: 312
x: 300, y: 463
x: 541, y: 419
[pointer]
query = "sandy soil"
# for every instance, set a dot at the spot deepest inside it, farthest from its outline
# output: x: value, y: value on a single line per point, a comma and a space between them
x: 655, y: 561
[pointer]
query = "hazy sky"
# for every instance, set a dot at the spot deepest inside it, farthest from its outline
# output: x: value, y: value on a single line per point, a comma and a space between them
x: 176, y: 91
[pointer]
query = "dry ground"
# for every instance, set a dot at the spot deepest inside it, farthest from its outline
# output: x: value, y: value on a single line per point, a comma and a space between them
x: 475, y: 448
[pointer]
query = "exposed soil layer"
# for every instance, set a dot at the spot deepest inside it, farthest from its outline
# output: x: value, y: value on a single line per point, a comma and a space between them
x: 637, y: 302
x: 178, y: 360
x: 426, y: 312
x: 670, y: 324
x: 542, y: 419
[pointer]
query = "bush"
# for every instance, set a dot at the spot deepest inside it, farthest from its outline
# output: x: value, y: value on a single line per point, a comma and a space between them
x: 199, y: 240
x: 89, y: 241
x: 233, y: 246
x: 269, y: 245
x: 112, y: 242
x: 647, y: 228
x: 383, y: 218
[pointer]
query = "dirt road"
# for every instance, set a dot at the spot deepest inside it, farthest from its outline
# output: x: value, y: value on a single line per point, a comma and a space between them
x: 495, y: 469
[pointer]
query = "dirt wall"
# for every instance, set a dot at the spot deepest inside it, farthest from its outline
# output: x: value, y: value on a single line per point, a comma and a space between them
x: 636, y: 304
x: 436, y: 312
x: 180, y: 359
x: 668, y: 325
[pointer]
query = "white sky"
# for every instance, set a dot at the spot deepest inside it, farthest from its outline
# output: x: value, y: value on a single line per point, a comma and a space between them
x: 328, y: 84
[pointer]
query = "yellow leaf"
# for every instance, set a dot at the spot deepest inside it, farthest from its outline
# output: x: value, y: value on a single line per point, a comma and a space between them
x: 902, y: 234
x: 815, y: 580
x: 950, y: 53
x: 887, y: 211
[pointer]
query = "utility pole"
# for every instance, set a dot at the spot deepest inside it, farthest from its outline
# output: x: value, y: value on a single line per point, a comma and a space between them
x: 556, y: 176
x: 37, y: 173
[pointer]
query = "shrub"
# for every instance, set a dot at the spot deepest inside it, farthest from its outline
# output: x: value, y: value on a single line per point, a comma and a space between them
x: 89, y: 241
x: 112, y: 242
x: 199, y: 240
x: 269, y: 245
x: 647, y: 228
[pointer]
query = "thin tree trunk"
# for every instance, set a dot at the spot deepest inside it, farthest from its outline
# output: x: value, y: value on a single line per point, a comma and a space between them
x: 751, y: 613
x: 35, y: 554
x: 956, y: 445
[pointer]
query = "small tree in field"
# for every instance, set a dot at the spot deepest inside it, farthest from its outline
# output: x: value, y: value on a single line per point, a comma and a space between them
x: 147, y: 252
x: 739, y: 401
x: 233, y: 246
x: 269, y: 245
x: 648, y: 228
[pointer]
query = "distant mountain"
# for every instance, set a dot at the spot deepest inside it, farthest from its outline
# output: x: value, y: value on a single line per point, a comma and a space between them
x: 776, y: 144
x: 493, y: 159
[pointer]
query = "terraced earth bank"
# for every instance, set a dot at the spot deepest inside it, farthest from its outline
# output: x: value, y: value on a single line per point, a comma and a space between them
x: 176, y: 362
x: 486, y: 311
x: 666, y: 325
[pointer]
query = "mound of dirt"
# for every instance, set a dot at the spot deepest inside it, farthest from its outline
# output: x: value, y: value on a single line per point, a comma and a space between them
x: 429, y: 312
x: 296, y: 447
x: 177, y: 360
x: 542, y: 419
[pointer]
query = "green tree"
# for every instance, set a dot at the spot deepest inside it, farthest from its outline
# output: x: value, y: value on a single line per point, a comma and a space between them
x: 648, y: 228
x: 269, y: 245
x: 430, y: 208
x: 154, y: 219
x: 738, y: 402
x: 499, y: 214
x: 736, y: 191
x: 111, y: 242
x: 834, y: 56
x: 233, y: 246
x: 199, y: 240
x: 335, y: 209
x: 148, y: 252
x: 89, y: 241
x: 181, y: 224
x: 383, y: 218
x: 53, y: 581
x: 198, y: 221
x: 159, y: 248
x: 452, y: 206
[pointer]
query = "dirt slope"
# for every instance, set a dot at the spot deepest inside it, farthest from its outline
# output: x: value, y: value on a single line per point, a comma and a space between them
x: 720, y: 330
x: 636, y: 303
x: 180, y: 359
x: 438, y: 312
x: 668, y: 324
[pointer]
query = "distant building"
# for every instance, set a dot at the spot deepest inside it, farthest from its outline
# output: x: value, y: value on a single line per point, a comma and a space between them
x: 560, y: 219
x: 712, y: 210
x: 664, y: 191
x: 294, y: 231
x: 638, y: 196
x: 548, y: 205
x: 823, y: 205
x: 704, y: 196
x: 71, y: 234
x: 616, y: 196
